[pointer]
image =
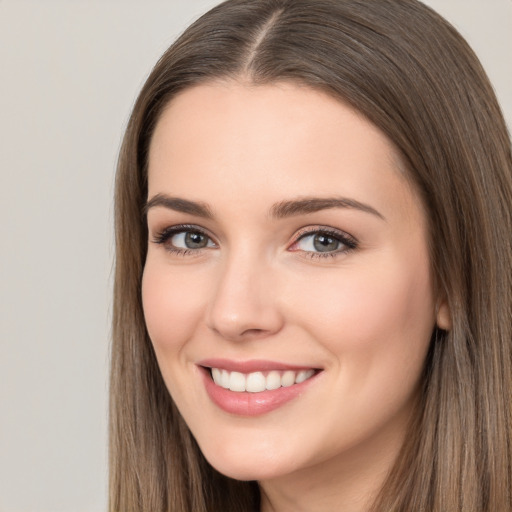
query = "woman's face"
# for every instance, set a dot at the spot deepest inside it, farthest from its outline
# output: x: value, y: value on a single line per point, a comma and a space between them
x: 285, y: 244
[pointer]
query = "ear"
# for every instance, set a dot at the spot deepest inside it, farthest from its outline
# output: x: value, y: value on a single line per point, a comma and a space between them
x: 443, y: 316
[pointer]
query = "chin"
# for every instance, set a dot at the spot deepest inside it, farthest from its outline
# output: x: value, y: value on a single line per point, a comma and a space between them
x: 245, y: 467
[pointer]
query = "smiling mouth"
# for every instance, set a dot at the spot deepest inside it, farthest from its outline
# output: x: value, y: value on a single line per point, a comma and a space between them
x: 257, y: 382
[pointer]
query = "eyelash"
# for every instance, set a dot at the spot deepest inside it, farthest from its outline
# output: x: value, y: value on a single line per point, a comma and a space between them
x: 348, y: 242
x: 166, y: 234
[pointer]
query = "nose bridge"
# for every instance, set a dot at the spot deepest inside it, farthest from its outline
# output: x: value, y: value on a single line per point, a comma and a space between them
x: 243, y: 302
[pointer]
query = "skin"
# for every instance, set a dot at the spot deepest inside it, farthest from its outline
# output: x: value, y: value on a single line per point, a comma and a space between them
x: 364, y: 316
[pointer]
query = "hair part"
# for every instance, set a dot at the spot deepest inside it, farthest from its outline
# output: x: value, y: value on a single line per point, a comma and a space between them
x: 412, y: 75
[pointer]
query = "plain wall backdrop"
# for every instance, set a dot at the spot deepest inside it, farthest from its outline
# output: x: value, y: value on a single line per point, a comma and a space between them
x: 69, y: 74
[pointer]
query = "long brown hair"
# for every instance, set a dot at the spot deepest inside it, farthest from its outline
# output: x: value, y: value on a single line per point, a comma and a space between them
x: 411, y: 74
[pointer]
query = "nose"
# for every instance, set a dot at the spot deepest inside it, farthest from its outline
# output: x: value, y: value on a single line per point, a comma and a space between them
x: 244, y: 303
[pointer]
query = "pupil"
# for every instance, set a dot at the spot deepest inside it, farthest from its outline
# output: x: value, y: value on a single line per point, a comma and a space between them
x: 195, y: 240
x: 325, y: 243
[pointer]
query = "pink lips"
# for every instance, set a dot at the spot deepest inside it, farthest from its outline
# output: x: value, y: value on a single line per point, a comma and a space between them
x: 246, y: 403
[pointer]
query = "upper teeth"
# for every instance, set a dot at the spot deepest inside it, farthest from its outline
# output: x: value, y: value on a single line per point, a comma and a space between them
x: 257, y: 381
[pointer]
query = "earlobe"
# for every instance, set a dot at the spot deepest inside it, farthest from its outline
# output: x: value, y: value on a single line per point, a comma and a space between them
x: 443, y: 316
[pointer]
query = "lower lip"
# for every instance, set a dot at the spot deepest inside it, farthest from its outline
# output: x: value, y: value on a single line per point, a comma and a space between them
x: 252, y: 404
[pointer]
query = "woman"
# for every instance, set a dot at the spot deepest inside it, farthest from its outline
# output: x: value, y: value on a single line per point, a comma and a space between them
x: 313, y: 288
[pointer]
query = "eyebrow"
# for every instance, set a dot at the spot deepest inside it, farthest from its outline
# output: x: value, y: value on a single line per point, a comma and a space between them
x: 180, y: 205
x: 307, y: 205
x: 280, y: 210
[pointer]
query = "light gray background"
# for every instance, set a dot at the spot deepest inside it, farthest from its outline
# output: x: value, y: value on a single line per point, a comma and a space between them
x: 69, y: 73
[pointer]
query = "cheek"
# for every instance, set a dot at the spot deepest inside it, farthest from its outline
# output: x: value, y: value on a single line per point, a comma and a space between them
x: 376, y: 325
x: 172, y: 306
x: 372, y: 313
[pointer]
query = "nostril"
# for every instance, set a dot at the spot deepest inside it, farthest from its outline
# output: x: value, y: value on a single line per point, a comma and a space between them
x: 242, y: 334
x: 254, y: 332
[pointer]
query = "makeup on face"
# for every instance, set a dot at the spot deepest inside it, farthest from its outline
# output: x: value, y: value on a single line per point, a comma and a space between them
x: 287, y: 288
x: 251, y: 388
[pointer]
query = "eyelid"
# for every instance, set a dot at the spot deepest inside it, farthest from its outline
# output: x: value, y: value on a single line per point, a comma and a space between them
x: 164, y: 235
x: 349, y: 242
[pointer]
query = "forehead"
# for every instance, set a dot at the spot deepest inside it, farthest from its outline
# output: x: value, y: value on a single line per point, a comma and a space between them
x: 249, y: 115
x: 227, y: 138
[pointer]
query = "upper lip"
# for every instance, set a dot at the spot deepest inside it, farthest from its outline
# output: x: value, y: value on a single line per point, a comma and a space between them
x: 253, y: 365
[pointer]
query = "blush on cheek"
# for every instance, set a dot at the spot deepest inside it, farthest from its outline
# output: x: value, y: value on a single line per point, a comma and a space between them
x: 167, y: 310
x: 368, y: 311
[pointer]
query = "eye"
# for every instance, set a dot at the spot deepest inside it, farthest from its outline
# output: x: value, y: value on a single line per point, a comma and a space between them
x: 324, y: 243
x: 190, y: 240
x: 183, y: 239
x: 318, y: 242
